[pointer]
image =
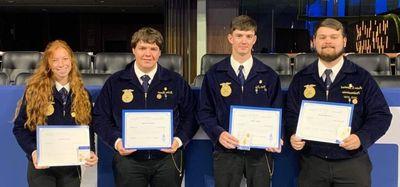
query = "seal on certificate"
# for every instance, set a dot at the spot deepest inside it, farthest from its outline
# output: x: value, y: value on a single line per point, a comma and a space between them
x: 309, y: 92
x: 226, y: 90
x: 127, y: 96
x: 342, y: 133
x: 50, y: 109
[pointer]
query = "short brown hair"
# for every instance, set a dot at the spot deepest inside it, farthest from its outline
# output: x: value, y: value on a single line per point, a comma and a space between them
x: 147, y: 35
x: 243, y: 23
x: 330, y: 23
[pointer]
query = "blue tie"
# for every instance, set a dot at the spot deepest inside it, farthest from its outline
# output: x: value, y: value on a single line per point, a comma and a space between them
x: 64, y: 95
x: 328, y: 80
x: 145, y: 84
x: 241, y: 75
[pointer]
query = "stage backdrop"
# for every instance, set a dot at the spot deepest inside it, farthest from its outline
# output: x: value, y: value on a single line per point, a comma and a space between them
x: 384, y: 153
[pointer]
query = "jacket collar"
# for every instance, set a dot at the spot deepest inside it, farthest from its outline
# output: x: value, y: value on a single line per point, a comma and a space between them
x: 225, y: 66
x: 161, y: 75
x: 348, y: 67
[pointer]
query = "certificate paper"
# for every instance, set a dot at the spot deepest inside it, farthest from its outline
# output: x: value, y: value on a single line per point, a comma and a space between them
x: 255, y: 127
x: 324, y: 121
x: 62, y: 145
x: 147, y: 129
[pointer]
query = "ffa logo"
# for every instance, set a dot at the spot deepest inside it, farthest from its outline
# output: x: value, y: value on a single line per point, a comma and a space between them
x: 309, y: 92
x: 127, y: 95
x: 226, y: 90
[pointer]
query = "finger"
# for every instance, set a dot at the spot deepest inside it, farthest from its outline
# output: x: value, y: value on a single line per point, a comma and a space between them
x: 228, y: 145
x: 233, y: 140
x: 298, y: 144
x: 125, y: 152
x: 295, y: 138
x: 168, y: 150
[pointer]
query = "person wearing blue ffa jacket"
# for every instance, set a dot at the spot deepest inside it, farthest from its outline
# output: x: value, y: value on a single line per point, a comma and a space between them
x: 243, y: 80
x: 54, y: 95
x: 144, y: 84
x: 332, y: 78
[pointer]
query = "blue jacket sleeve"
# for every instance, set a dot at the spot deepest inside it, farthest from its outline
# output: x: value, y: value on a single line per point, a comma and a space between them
x: 377, y: 115
x: 207, y: 116
x: 292, y: 108
x: 25, y: 138
x: 103, y: 122
x: 91, y: 129
x: 187, y: 105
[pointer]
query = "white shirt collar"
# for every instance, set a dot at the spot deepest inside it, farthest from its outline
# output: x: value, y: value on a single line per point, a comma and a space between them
x: 246, y: 66
x: 139, y: 73
x: 335, y: 69
x: 59, y: 86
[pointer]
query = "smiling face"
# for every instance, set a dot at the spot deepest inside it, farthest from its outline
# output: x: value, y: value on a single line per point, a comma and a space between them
x: 60, y: 65
x: 329, y: 44
x: 242, y: 42
x: 146, y: 55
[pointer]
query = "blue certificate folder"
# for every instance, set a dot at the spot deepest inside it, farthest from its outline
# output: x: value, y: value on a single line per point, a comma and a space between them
x: 168, y: 136
x: 278, y: 136
x: 78, y: 148
x: 324, y: 103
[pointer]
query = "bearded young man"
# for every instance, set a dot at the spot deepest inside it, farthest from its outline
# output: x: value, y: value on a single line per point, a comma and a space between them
x: 331, y: 78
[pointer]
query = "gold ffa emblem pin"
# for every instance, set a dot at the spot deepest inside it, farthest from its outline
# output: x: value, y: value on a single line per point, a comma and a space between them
x: 73, y: 114
x: 50, y: 109
x: 226, y: 89
x: 309, y: 92
x: 127, y: 95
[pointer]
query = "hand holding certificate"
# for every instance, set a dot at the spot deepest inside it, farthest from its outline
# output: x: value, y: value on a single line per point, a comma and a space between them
x: 324, y: 122
x: 59, y: 145
x: 255, y: 127
x: 147, y: 129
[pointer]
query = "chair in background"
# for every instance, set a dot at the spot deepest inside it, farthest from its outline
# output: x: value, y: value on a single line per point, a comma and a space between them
x: 208, y: 60
x: 3, y: 79
x: 109, y: 63
x: 94, y: 79
x: 285, y: 81
x: 303, y: 60
x: 198, y: 81
x: 278, y: 62
x: 84, y: 61
x: 15, y: 62
x: 172, y: 62
x: 21, y: 78
x: 388, y: 81
x: 376, y: 64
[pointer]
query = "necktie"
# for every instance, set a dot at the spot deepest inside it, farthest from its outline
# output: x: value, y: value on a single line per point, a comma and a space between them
x: 64, y: 95
x: 328, y: 80
x: 145, y: 84
x: 241, y: 75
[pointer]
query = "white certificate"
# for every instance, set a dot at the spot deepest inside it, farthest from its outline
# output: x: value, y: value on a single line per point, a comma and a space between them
x: 62, y: 145
x: 255, y: 127
x: 324, y: 121
x: 147, y: 129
